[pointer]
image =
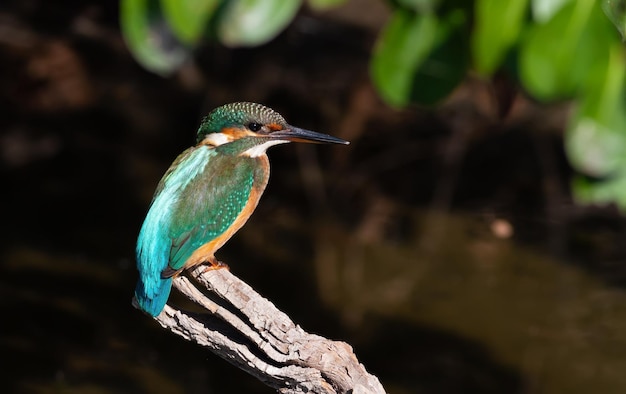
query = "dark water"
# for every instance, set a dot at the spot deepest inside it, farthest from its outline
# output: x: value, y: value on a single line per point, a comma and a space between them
x: 442, y: 245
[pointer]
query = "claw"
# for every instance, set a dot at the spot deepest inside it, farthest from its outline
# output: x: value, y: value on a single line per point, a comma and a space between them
x: 215, y: 264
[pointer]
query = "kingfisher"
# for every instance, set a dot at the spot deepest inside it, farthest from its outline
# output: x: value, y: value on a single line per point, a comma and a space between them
x: 208, y: 193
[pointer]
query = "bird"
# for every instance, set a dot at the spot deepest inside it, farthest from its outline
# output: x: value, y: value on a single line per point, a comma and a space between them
x: 208, y: 193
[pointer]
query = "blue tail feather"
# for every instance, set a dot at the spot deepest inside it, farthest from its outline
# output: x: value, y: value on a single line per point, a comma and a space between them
x: 153, y: 305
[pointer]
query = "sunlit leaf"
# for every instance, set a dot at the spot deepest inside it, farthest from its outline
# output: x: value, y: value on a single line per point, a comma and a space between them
x: 604, y: 93
x: 615, y: 10
x: 188, y: 18
x: 419, y: 57
x: 402, y: 47
x: 596, y: 138
x: 594, y: 148
x: 604, y: 191
x: 543, y: 10
x: 254, y: 22
x: 497, y: 26
x: 556, y: 57
x: 447, y: 63
x: 149, y: 38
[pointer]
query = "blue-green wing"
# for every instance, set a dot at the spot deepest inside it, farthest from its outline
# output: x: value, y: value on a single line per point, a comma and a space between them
x: 209, y: 205
x: 199, y: 197
x: 155, y: 242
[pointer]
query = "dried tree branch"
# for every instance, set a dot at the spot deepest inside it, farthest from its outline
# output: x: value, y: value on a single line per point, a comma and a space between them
x: 250, y: 332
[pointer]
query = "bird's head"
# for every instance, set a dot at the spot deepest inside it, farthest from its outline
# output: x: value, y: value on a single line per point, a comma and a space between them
x: 249, y: 129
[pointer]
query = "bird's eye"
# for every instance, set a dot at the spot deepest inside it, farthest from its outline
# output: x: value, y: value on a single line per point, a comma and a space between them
x: 254, y: 126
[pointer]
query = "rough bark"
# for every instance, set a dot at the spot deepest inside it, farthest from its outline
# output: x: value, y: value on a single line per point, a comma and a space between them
x: 250, y: 332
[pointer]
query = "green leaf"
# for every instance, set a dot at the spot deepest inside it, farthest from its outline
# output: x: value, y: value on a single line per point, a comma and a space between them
x: 596, y: 137
x: 615, y: 10
x: 556, y: 57
x: 606, y: 191
x: 320, y: 5
x: 544, y: 10
x: 604, y: 93
x: 254, y: 22
x: 419, y: 57
x: 497, y: 26
x: 402, y: 47
x: 420, y: 6
x: 149, y: 38
x: 188, y: 18
x: 594, y: 148
x: 446, y: 65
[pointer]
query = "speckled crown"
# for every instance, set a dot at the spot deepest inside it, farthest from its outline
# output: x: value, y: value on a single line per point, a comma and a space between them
x: 237, y: 114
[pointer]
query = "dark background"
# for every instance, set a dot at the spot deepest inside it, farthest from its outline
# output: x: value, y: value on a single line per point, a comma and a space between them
x: 442, y: 244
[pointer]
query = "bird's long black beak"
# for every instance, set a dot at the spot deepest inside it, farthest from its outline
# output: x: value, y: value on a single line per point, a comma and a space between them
x: 296, y: 134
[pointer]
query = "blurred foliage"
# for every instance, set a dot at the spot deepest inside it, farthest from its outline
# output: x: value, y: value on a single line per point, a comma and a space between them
x: 254, y: 22
x: 557, y: 49
x: 149, y: 39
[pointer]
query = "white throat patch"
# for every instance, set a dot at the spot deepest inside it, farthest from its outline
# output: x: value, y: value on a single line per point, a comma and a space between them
x: 259, y: 150
x: 216, y: 139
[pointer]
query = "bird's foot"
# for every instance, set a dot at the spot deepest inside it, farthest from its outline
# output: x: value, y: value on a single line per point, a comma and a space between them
x: 215, y: 264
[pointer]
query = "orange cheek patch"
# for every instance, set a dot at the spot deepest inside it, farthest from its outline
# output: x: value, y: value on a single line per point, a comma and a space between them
x: 234, y: 133
x: 274, y: 126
